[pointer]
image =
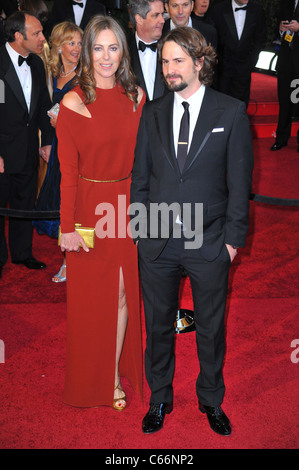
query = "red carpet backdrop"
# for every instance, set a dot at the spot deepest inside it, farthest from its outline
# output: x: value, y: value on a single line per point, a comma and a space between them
x: 261, y: 368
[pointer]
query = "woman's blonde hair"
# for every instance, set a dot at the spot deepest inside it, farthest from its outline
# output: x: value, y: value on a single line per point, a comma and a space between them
x: 85, y: 72
x: 62, y: 33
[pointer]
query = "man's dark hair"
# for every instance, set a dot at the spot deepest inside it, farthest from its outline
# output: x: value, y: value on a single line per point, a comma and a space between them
x: 16, y: 23
x: 195, y: 45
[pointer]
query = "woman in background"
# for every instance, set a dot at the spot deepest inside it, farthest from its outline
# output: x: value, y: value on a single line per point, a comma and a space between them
x: 97, y: 128
x: 65, y: 51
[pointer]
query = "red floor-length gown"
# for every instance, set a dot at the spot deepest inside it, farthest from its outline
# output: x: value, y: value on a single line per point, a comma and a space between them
x: 99, y: 148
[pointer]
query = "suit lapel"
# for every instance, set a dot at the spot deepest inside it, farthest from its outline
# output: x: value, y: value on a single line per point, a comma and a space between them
x: 87, y: 14
x: 69, y: 12
x: 159, y: 82
x: 230, y: 20
x: 248, y: 22
x: 137, y: 66
x: 12, y: 80
x: 208, y: 117
x: 163, y: 115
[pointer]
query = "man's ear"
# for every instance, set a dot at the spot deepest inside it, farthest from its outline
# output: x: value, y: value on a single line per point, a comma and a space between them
x: 166, y: 7
x: 199, y: 63
x: 138, y: 19
x: 18, y: 37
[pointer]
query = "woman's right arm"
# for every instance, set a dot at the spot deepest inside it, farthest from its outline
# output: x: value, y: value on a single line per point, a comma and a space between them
x: 69, y: 167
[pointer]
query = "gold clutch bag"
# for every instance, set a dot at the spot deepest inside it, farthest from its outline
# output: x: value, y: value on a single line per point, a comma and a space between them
x: 87, y: 233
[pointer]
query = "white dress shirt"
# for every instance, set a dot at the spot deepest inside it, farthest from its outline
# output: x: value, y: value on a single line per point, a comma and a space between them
x: 240, y: 17
x: 23, y: 72
x: 148, y: 62
x: 78, y: 12
x: 195, y: 102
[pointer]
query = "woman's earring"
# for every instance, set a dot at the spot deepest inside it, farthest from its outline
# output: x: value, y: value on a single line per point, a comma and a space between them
x: 59, y: 51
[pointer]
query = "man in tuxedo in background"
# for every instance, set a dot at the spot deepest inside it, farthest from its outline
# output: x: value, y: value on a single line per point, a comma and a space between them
x: 79, y: 11
x: 241, y: 32
x: 287, y: 70
x: 194, y: 148
x: 180, y: 15
x: 23, y: 113
x: 147, y: 20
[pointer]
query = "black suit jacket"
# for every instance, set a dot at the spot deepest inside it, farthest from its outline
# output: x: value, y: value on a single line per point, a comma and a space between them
x: 63, y: 11
x: 217, y: 172
x: 19, y: 140
x: 288, y: 13
x: 160, y: 87
x: 207, y: 30
x: 234, y: 53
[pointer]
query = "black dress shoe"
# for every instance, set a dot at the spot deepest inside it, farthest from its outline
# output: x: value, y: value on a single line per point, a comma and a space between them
x: 277, y: 146
x: 31, y: 263
x: 153, y: 420
x: 218, y: 420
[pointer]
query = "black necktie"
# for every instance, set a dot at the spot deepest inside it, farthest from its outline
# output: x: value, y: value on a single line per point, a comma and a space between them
x: 241, y: 8
x: 142, y: 46
x: 77, y: 3
x: 183, y: 137
x: 22, y: 59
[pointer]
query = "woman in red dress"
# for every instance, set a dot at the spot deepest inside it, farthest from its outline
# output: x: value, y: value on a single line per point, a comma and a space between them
x: 97, y: 129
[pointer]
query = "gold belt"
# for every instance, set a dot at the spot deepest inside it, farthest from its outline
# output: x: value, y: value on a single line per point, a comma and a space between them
x: 105, y: 181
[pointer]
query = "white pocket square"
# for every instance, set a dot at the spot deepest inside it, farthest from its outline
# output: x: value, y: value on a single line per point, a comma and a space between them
x: 218, y: 129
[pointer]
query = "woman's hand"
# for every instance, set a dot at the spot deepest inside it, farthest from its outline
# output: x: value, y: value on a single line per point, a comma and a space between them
x: 53, y: 119
x: 71, y: 242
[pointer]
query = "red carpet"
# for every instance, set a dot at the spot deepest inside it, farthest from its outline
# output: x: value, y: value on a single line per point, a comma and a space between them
x: 261, y: 379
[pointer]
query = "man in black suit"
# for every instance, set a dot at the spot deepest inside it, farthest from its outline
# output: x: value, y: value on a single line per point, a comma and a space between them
x: 190, y: 189
x: 241, y: 32
x: 180, y: 15
x: 23, y: 113
x: 287, y: 70
x: 147, y: 20
x: 79, y: 11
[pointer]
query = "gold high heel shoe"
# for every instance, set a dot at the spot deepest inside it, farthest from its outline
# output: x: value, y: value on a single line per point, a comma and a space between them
x: 119, y: 407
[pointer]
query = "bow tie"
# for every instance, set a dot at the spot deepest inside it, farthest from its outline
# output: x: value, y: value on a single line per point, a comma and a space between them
x: 142, y: 46
x: 77, y: 3
x: 22, y: 59
x: 241, y: 8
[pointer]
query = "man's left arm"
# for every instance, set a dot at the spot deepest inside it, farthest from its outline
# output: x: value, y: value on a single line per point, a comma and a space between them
x: 239, y: 178
x: 47, y: 131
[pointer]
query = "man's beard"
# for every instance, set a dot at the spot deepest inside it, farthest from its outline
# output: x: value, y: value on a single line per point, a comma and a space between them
x: 176, y: 86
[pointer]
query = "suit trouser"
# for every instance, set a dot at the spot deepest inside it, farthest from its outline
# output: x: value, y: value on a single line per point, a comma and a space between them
x: 19, y: 190
x: 160, y: 286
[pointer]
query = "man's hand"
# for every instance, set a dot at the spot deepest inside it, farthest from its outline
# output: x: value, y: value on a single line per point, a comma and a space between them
x: 232, y: 252
x: 1, y: 165
x: 45, y: 152
x: 292, y: 26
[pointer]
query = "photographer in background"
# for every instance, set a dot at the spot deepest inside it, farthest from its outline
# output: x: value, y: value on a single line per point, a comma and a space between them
x: 287, y: 70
